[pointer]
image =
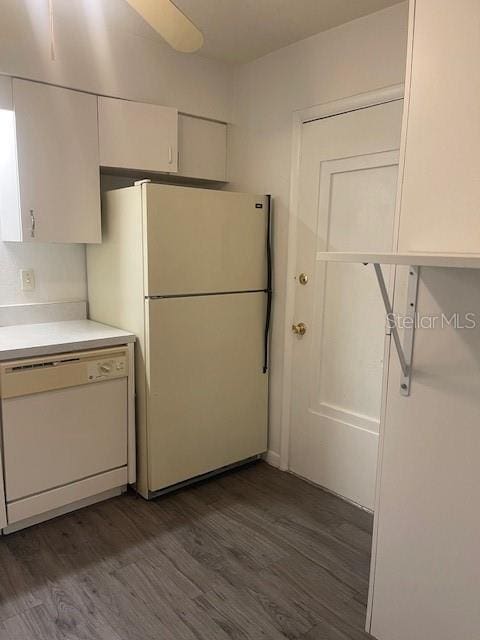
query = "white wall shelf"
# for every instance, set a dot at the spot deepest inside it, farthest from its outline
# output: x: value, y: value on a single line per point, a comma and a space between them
x: 414, y: 261
x: 454, y: 260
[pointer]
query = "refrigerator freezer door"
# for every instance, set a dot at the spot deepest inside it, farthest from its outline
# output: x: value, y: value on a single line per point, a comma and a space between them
x: 207, y: 404
x: 202, y: 241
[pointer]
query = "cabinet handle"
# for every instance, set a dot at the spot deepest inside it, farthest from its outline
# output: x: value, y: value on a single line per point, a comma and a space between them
x: 32, y: 224
x: 170, y: 154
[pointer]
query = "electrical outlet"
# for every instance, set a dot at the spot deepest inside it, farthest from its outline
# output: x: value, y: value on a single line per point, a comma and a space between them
x: 27, y: 279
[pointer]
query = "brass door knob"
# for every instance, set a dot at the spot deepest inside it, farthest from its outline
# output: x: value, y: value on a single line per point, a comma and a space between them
x: 303, y: 278
x: 299, y: 329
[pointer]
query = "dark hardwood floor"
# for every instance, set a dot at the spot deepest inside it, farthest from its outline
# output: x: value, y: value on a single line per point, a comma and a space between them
x: 253, y: 554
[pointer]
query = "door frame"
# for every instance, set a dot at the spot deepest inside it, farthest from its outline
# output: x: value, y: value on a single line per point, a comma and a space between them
x: 300, y: 117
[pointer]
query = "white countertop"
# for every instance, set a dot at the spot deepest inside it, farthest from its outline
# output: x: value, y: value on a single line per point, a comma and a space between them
x: 30, y: 340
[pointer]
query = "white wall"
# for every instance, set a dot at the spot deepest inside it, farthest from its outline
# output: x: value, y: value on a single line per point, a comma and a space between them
x: 101, y: 46
x: 59, y: 272
x: 360, y: 56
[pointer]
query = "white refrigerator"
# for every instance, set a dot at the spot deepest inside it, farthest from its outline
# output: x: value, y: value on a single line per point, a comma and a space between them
x: 189, y: 272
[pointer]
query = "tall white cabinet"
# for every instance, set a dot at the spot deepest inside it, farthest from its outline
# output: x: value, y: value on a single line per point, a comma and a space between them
x: 49, y: 177
x: 425, y: 581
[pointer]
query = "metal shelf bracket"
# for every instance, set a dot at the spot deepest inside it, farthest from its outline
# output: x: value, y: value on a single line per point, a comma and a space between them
x: 405, y: 351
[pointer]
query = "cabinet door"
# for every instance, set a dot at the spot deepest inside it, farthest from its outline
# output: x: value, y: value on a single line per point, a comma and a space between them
x: 202, y: 148
x: 441, y: 186
x: 58, y: 170
x: 139, y: 136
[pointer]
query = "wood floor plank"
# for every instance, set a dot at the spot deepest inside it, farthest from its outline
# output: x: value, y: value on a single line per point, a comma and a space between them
x: 253, y: 554
x: 325, y: 631
x: 34, y: 624
x: 163, y: 546
x: 296, y: 532
x: 56, y: 586
x: 174, y: 608
x: 327, y: 589
x: 16, y: 584
x: 238, y: 614
x: 296, y: 491
x: 255, y: 546
x: 123, y: 608
x: 313, y: 604
x: 347, y: 522
x: 289, y: 617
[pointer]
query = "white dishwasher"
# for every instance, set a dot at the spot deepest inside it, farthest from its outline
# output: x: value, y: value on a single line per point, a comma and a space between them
x: 65, y: 431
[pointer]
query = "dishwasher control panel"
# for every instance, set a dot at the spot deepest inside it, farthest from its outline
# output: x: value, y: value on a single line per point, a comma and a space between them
x: 104, y: 369
x: 60, y: 371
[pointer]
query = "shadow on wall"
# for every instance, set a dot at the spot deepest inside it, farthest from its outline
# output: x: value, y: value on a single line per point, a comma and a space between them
x: 447, y: 342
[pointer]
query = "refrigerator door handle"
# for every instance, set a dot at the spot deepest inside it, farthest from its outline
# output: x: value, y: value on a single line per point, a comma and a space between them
x: 268, y: 313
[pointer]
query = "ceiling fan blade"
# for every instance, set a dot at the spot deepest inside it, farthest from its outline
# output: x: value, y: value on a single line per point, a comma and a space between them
x: 170, y: 23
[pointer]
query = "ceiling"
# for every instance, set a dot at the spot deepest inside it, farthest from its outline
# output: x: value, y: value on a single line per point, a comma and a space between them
x: 242, y: 30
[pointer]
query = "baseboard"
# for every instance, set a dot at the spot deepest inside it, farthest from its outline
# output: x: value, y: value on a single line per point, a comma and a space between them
x: 272, y: 458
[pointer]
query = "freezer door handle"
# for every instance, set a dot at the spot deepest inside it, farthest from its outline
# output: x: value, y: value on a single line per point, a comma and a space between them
x: 268, y: 313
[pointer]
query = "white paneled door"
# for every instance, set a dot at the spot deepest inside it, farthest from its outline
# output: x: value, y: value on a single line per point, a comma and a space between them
x: 347, y: 192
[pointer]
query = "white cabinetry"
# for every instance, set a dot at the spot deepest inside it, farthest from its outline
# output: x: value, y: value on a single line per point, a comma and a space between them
x: 202, y: 148
x: 49, y: 170
x: 425, y: 578
x: 137, y: 136
x: 440, y: 206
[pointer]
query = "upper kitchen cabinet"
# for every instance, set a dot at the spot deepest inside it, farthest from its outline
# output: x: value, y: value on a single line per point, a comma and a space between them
x: 137, y: 136
x: 440, y: 196
x: 49, y: 169
x: 202, y: 148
